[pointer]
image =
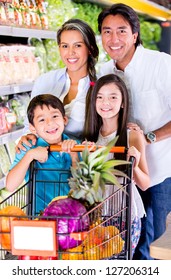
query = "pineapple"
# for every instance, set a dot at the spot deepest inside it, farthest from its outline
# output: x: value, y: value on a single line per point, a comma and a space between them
x: 92, y: 173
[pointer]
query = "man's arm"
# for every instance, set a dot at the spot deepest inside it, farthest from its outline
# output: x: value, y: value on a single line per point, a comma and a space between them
x: 163, y: 132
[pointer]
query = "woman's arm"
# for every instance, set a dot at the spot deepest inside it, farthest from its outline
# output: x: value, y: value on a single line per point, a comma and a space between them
x: 29, y: 140
x: 137, y: 144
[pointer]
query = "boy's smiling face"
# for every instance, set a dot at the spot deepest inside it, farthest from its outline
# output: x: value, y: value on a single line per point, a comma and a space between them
x: 49, y: 124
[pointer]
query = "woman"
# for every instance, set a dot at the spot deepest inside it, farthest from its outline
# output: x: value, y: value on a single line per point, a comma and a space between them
x: 79, y: 52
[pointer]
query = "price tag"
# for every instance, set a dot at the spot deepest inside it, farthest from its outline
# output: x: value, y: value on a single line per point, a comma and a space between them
x: 33, y: 237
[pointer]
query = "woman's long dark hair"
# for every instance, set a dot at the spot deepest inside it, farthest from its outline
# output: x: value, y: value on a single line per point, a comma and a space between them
x: 94, y: 122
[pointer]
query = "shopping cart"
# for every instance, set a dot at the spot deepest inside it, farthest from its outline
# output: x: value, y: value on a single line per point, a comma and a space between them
x: 108, y: 235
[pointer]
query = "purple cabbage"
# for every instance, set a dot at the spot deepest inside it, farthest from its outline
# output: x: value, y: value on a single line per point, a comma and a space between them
x: 68, y: 214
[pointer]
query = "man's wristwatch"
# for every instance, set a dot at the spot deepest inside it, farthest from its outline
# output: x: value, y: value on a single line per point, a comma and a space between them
x: 151, y: 137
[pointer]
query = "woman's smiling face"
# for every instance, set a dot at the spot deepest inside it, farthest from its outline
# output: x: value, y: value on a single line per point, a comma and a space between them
x: 73, y: 51
x: 49, y: 124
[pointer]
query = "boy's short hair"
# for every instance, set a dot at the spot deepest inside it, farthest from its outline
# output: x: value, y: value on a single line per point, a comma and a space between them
x: 47, y: 100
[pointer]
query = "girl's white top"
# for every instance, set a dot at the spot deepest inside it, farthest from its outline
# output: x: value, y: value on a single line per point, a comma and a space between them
x: 137, y: 207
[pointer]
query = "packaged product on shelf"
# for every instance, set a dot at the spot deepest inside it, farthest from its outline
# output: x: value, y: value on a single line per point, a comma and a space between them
x: 4, y: 162
x: 35, y: 17
x: 17, y: 64
x: 7, y: 118
x: 40, y: 53
x: 18, y: 107
x: 3, y: 122
x: 5, y: 66
x: 41, y: 5
x: 1, y: 176
x: 53, y: 58
x: 59, y: 11
x: 9, y: 9
x: 34, y: 68
x: 11, y: 118
x: 25, y: 99
x: 25, y: 12
x: 17, y: 13
x: 3, y: 17
x: 10, y: 147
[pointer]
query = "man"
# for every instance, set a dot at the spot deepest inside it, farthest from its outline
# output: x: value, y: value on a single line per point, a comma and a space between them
x: 147, y: 74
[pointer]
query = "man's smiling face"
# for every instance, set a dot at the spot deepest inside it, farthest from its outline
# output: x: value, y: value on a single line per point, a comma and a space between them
x: 118, y: 39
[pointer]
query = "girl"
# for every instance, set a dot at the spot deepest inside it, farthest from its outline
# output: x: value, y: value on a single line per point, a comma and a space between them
x: 107, y: 118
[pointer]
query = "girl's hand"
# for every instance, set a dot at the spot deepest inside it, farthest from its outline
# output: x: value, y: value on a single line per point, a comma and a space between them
x: 132, y: 151
x: 39, y: 153
x: 66, y: 146
x: 91, y: 145
x: 25, y: 140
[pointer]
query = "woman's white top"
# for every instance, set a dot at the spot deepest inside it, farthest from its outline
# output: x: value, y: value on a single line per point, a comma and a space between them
x: 137, y: 207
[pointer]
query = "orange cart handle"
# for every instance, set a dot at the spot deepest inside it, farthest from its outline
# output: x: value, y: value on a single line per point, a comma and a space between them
x: 80, y: 148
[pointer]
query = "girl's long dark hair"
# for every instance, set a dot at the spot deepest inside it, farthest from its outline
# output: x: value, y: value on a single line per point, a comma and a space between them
x: 93, y: 121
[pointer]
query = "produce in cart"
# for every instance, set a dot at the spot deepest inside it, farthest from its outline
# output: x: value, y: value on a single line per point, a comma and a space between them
x: 87, y: 191
x: 7, y: 214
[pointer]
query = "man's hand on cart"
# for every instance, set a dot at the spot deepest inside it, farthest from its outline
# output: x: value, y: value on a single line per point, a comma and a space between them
x: 28, y: 140
x: 134, y: 126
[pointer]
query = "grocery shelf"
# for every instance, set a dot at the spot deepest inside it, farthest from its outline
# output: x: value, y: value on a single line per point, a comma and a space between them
x: 26, y: 32
x: 17, y: 88
x: 141, y: 6
x: 11, y: 136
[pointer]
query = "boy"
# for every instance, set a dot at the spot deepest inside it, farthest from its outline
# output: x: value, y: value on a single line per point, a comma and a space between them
x: 47, y: 120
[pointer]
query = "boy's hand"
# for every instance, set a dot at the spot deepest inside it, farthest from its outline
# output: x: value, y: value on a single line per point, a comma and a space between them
x: 40, y: 154
x: 25, y: 140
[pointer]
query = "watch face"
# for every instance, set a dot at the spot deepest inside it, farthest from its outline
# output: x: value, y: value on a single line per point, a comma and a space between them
x: 151, y: 136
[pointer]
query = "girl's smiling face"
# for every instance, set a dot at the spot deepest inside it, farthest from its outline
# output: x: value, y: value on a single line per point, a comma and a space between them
x: 49, y: 124
x: 109, y: 101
